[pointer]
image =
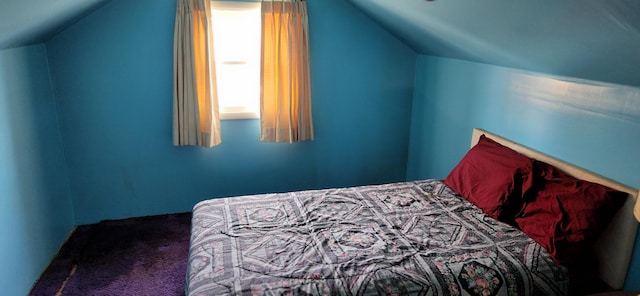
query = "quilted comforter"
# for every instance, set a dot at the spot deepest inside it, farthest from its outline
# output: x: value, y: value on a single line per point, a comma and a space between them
x: 412, y: 238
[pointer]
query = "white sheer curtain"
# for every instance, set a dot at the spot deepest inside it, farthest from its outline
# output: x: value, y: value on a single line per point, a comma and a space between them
x: 196, y: 119
x: 285, y: 101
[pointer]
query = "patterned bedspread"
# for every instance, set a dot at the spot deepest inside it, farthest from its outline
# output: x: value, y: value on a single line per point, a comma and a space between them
x: 413, y: 238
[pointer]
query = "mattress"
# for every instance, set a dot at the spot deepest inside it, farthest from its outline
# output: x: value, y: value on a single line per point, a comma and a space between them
x: 410, y: 238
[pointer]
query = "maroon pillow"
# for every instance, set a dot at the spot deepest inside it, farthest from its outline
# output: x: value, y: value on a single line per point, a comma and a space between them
x: 494, y: 178
x: 567, y: 215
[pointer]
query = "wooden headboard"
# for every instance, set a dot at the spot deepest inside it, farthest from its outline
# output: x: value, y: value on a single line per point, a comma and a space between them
x: 615, y: 245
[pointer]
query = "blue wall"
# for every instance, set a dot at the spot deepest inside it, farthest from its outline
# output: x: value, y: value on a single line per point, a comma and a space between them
x: 112, y: 75
x: 587, y: 123
x: 35, y: 207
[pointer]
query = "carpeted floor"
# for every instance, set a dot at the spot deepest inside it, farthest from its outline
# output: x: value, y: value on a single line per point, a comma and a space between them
x: 138, y: 256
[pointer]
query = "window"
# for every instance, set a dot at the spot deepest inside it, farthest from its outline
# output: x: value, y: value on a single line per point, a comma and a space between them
x: 236, y: 34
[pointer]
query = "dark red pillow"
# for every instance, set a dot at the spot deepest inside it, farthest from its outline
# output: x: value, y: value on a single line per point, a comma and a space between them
x: 494, y: 178
x: 567, y: 215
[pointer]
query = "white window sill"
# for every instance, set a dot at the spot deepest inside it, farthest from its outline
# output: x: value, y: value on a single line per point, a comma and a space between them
x: 239, y: 115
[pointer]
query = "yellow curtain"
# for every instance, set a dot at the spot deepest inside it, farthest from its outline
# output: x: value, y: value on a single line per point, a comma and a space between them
x: 285, y: 99
x: 196, y: 119
x: 636, y: 210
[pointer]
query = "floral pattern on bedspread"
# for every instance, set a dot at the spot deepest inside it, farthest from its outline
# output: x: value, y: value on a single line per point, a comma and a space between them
x: 412, y: 238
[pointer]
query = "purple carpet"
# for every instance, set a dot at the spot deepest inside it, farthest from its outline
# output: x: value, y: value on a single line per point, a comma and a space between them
x: 138, y: 256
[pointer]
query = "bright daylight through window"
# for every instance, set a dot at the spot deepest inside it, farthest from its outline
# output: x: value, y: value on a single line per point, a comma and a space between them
x: 236, y: 35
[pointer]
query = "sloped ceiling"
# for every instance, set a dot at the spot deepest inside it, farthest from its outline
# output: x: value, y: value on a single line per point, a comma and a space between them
x: 591, y: 39
x: 25, y: 22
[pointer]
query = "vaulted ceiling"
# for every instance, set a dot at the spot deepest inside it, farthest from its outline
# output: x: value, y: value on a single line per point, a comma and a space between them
x: 591, y: 39
x: 25, y: 22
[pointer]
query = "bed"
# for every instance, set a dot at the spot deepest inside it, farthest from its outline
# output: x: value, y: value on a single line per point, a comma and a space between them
x: 409, y: 238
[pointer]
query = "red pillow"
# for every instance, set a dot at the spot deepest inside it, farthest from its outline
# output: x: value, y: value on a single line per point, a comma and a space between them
x: 567, y: 215
x: 494, y: 178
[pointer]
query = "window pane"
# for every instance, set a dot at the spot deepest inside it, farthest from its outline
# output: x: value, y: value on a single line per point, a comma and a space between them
x: 236, y: 88
x: 236, y: 30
